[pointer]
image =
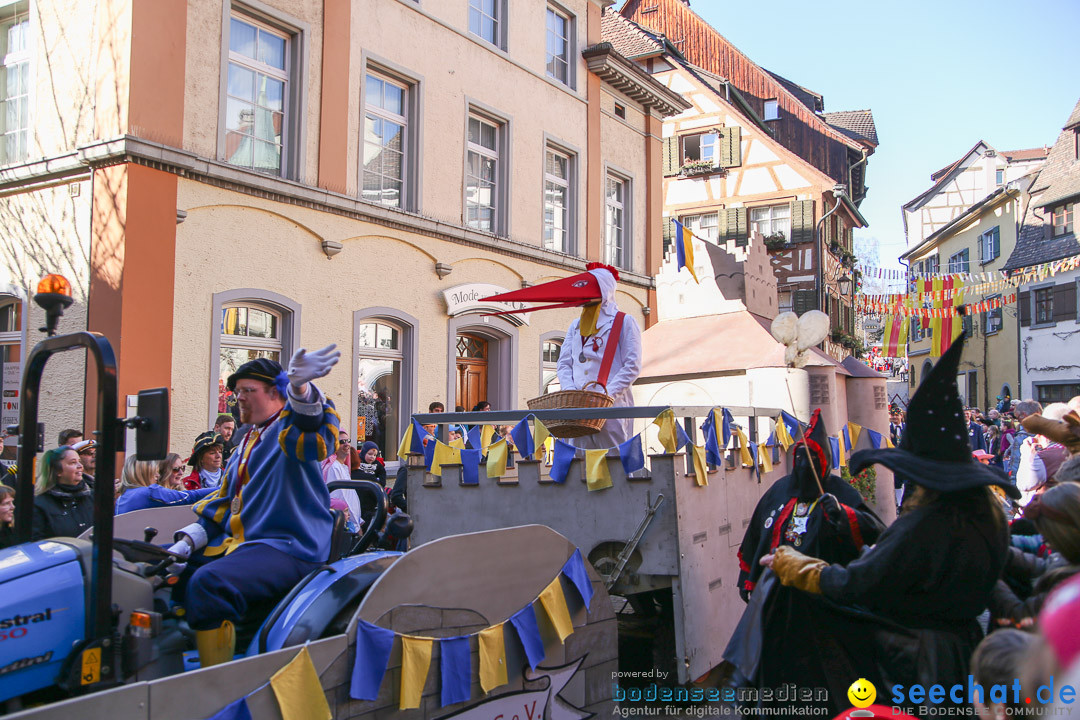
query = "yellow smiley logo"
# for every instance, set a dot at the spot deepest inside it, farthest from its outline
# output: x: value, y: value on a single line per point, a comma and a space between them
x: 862, y: 693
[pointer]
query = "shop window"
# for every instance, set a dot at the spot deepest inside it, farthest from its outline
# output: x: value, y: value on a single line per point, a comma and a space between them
x: 378, y: 393
x: 549, y: 362
x: 247, y: 332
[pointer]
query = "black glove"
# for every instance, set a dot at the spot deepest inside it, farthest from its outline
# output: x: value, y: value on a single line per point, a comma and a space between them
x: 744, y: 594
x: 833, y: 512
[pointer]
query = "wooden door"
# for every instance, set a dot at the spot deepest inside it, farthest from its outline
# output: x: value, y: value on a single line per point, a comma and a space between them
x: 472, y: 367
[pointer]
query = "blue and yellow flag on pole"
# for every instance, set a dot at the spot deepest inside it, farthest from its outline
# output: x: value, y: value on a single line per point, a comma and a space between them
x: 684, y: 248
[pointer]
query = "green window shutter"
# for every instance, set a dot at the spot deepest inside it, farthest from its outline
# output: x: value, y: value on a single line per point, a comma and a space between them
x: 668, y: 233
x: 1025, y: 309
x: 802, y: 221
x: 731, y: 147
x: 735, y: 226
x: 671, y: 156
x: 803, y: 301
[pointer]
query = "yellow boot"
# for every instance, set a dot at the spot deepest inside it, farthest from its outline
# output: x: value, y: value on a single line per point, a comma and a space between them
x: 216, y: 646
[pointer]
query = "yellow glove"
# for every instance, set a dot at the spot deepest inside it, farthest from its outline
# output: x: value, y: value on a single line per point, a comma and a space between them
x: 797, y: 570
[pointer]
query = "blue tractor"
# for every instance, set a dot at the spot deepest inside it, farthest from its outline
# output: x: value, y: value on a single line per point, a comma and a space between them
x: 83, y: 615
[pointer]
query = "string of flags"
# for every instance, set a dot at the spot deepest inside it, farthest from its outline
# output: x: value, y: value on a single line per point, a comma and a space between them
x: 1015, y: 277
x: 939, y: 312
x: 374, y: 645
x: 532, y: 440
x: 297, y: 689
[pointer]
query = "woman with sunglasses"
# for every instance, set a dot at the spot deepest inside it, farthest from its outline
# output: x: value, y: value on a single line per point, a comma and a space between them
x: 171, y: 472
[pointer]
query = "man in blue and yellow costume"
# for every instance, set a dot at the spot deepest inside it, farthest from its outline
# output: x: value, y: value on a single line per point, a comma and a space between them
x: 269, y: 524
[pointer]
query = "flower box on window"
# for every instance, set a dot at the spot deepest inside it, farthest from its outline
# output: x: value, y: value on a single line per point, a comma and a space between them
x: 699, y: 167
x: 776, y: 241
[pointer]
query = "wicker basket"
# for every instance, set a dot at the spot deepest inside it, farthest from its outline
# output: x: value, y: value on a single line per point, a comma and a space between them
x: 583, y: 398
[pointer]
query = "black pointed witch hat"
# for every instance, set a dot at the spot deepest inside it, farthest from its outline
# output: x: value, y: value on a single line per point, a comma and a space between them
x: 817, y: 441
x: 934, y: 450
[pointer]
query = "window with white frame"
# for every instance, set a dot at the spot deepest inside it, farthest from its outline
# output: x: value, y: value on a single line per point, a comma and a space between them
x: 557, y: 197
x: 257, y: 92
x: 959, y: 262
x: 10, y: 330
x: 772, y: 110
x: 482, y: 175
x: 15, y: 82
x: 484, y: 19
x: 616, y: 251
x: 989, y: 245
x: 701, y: 148
x: 771, y: 221
x: 386, y: 143
x: 932, y: 265
x: 379, y: 385
x: 559, y: 27
x: 549, y: 362
x: 704, y: 226
x: 248, y: 331
x: 999, y: 177
x: 993, y: 318
x: 1062, y: 219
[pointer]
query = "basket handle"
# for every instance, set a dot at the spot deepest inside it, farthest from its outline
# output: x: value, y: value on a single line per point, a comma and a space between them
x: 594, y: 382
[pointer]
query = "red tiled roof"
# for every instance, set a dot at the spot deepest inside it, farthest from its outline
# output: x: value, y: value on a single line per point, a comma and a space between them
x: 1029, y: 154
x: 627, y: 37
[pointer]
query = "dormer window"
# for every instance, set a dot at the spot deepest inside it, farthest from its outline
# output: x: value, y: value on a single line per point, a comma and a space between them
x: 1062, y: 222
x: 772, y: 109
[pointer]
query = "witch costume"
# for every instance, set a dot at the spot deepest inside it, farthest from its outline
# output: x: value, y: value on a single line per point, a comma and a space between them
x: 833, y: 526
x: 905, y: 611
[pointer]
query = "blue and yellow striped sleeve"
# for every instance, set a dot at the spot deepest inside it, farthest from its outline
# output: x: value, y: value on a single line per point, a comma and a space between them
x: 309, y: 430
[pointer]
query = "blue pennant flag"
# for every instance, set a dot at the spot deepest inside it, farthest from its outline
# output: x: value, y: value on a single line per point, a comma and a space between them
x: 728, y: 422
x: 373, y: 646
x: 473, y: 437
x: 560, y: 466
x: 684, y: 249
x: 834, y: 445
x: 632, y: 455
x: 791, y: 423
x: 681, y: 438
x: 754, y: 454
x: 234, y: 711
x: 523, y: 438
x: 524, y: 622
x: 455, y: 666
x: 875, y: 438
x: 470, y: 467
x: 714, y: 451
x: 418, y: 434
x: 847, y: 440
x: 429, y: 452
x: 574, y: 570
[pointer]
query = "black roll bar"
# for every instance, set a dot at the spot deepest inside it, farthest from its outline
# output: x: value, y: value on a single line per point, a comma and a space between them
x: 99, y: 612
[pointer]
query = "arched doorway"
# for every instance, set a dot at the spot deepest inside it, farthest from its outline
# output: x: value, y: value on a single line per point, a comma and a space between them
x: 472, y: 370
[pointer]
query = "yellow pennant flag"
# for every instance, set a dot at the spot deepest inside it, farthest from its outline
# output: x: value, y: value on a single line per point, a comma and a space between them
x: 854, y: 431
x: 745, y: 457
x: 701, y: 466
x: 597, y: 476
x: 540, y: 436
x: 406, y: 443
x: 782, y: 435
x: 415, y: 659
x: 764, y: 453
x: 554, y: 603
x: 298, y: 690
x: 492, y: 658
x: 486, y: 433
x: 457, y: 444
x: 496, y: 459
x: 842, y: 460
x: 444, y: 455
x: 668, y: 436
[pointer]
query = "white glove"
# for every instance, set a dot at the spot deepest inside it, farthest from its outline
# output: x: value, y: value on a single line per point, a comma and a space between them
x: 183, y: 549
x: 305, y: 367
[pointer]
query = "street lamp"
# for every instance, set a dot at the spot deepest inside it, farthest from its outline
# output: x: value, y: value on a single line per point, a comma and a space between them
x: 844, y: 285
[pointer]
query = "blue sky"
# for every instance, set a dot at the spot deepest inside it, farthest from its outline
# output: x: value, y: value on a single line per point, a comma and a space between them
x: 939, y: 76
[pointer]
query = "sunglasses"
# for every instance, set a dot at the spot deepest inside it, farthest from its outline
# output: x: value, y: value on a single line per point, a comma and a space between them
x: 343, y: 442
x: 178, y: 469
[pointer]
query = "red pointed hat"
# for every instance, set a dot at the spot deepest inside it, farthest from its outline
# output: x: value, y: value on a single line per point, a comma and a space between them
x: 573, y: 291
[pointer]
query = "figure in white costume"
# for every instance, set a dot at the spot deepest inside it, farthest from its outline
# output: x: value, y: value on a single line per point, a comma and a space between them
x: 603, y: 345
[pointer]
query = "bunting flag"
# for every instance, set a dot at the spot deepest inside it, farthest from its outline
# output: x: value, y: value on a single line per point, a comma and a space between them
x: 554, y: 603
x: 754, y: 462
x: 487, y: 432
x: 455, y: 670
x: 523, y: 437
x: 845, y: 439
x: 745, y: 456
x: 701, y: 466
x: 298, y: 690
x: 496, y: 459
x: 444, y: 455
x: 875, y: 438
x: 597, y: 475
x: 763, y: 457
x: 457, y: 443
x: 470, y: 467
x: 672, y: 435
x: 473, y: 438
x: 415, y: 661
x: 782, y: 432
x: 373, y: 647
x: 834, y: 445
x: 492, y: 658
x: 563, y: 454
x: 234, y: 711
x: 574, y: 570
x: 528, y: 632
x: 413, y: 440
x: 540, y: 438
x: 717, y: 431
x: 632, y: 455
x: 684, y: 249
x: 429, y: 452
x: 854, y: 431
x: 894, y: 339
